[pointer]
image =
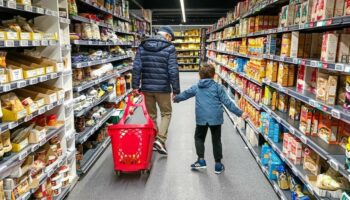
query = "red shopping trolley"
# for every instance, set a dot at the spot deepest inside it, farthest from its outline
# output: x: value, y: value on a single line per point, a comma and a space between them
x: 132, y: 144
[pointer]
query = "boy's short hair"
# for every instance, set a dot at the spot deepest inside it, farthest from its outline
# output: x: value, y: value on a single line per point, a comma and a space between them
x: 207, y: 71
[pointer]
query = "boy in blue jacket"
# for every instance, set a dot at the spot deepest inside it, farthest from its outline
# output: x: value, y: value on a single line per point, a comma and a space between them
x: 210, y: 98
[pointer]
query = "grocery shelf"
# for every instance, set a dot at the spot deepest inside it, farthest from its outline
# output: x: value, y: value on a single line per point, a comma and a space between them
x: 236, y: 88
x: 83, y: 136
x: 14, y: 159
x: 188, y: 63
x: 98, y: 62
x: 188, y: 70
x: 92, y: 5
x: 27, y: 43
x: 11, y: 125
x: 260, y: 7
x: 187, y: 56
x: 86, y: 20
x: 91, y: 83
x: 140, y: 18
x: 182, y: 50
x: 26, y: 82
x: 99, y: 43
x: 122, y: 97
x: 237, y: 54
x: 186, y: 43
x: 255, y: 151
x: 91, y: 155
x: 87, y: 109
x: 64, y: 20
x: 12, y: 6
x: 239, y: 73
x: 184, y: 36
x: 333, y: 154
x: 309, y: 98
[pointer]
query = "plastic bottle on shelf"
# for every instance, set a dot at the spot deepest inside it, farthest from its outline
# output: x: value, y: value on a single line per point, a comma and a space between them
x: 118, y: 87
x: 265, y: 154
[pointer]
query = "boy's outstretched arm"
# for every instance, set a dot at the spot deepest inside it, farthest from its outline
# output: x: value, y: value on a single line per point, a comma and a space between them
x: 191, y: 92
x: 228, y: 102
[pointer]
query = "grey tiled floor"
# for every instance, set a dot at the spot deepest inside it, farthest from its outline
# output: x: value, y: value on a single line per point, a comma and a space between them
x: 171, y: 178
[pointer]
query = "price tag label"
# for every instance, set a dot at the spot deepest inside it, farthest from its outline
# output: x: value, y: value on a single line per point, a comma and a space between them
x: 23, y: 43
x: 54, y: 75
x: 40, y: 10
x: 36, y: 43
x: 28, y: 8
x: 49, y: 107
x: 23, y: 155
x: 28, y: 118
x: 312, y: 102
x: 6, y: 87
x: 301, y: 26
x: 291, y: 129
x: 296, y: 61
x: 35, y: 147
x: 314, y: 63
x: 52, y: 42
x: 9, y: 43
x: 33, y: 81
x: 42, y: 142
x: 90, y: 42
x: 278, y: 119
x: 42, y: 110
x: 48, y: 12
x: 42, y: 78
x: 3, y: 167
x: 334, y: 164
x: 13, y: 125
x: 44, y: 43
x: 339, y: 67
x: 11, y: 4
x: 78, y: 65
x: 303, y: 139
x: 320, y: 23
x: 269, y: 111
x: 336, y: 114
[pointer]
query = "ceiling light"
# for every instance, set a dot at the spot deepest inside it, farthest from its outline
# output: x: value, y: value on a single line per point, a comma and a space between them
x: 183, y: 10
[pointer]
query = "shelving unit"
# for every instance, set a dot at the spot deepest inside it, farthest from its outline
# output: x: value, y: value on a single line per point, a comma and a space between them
x: 233, y: 47
x: 185, y: 41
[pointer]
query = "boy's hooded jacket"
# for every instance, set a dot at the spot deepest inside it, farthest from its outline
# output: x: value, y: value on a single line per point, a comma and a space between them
x: 210, y: 98
x: 156, y: 66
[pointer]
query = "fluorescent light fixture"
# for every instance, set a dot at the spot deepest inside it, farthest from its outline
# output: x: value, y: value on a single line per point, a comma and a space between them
x: 182, y: 3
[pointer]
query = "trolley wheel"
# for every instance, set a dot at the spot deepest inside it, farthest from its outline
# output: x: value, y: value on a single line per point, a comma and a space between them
x: 117, y: 172
x: 145, y: 172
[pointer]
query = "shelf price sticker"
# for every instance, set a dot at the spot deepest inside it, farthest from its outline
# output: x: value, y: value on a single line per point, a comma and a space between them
x: 312, y: 102
x: 49, y: 12
x: 321, y: 23
x: 23, y: 155
x: 21, y: 84
x: 11, y: 4
x: 336, y: 113
x: 23, y: 43
x: 334, y: 164
x: 34, y: 148
x: 9, y: 43
x: 28, y: 8
x: 44, y: 43
x: 314, y: 63
x: 309, y: 187
x: 339, y: 67
x: 303, y: 139
x: 36, y: 43
x: 40, y: 10
x: 291, y: 129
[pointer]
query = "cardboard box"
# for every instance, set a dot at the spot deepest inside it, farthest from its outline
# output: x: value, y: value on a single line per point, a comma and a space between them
x: 322, y: 86
x: 39, y: 99
x: 329, y: 47
x: 59, y: 91
x: 296, y: 151
x: 315, y: 122
x: 311, y: 161
x: 343, y: 47
x: 48, y: 98
x: 297, y: 13
x: 52, y: 94
x: 25, y: 72
x: 331, y: 89
x: 306, y: 8
x: 339, y: 8
x: 305, y: 119
x: 10, y: 116
x: 4, y: 77
x: 314, y: 10
x: 325, y: 9
x: 282, y: 77
x: 316, y: 45
x: 347, y: 7
x: 20, y: 146
x: 328, y: 128
x: 291, y: 75
x: 286, y: 44
x: 14, y: 73
x: 271, y: 71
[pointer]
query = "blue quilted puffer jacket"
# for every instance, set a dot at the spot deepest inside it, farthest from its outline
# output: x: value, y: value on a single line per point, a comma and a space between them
x: 155, y: 67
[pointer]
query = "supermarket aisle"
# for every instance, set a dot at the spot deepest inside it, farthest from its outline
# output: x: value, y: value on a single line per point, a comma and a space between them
x: 171, y: 178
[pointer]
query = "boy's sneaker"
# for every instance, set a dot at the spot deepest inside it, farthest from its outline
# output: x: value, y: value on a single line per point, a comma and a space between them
x: 160, y: 146
x: 219, y: 168
x: 199, y: 164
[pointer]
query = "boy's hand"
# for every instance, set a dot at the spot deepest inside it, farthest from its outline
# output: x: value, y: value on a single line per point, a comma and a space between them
x: 174, y: 95
x: 244, y: 115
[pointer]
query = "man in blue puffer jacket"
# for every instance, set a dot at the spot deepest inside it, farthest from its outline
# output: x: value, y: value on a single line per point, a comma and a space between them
x: 156, y: 74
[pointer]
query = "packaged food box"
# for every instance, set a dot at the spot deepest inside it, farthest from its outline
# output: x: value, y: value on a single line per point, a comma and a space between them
x: 27, y: 72
x: 20, y: 146
x: 343, y: 134
x: 296, y: 150
x: 49, y: 98
x: 59, y: 91
x: 339, y: 8
x: 316, y: 45
x: 344, y: 47
x: 306, y: 11
x: 24, y: 2
x: 286, y: 44
x: 315, y: 122
x: 36, y: 97
x: 305, y: 119
x: 306, y: 78
x: 285, y: 148
x: 297, y: 13
x: 4, y: 76
x: 15, y: 74
x: 332, y: 89
x: 329, y: 47
x: 291, y: 75
x: 328, y: 128
x: 271, y: 71
x: 282, y: 102
x: 311, y: 161
x: 325, y: 9
x: 282, y: 77
x: 322, y: 86
x: 347, y: 7
x: 52, y: 94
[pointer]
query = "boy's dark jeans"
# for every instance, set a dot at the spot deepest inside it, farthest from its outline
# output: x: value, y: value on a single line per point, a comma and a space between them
x: 199, y: 137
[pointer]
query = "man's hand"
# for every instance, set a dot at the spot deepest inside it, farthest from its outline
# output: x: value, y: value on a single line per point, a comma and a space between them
x: 174, y: 95
x: 244, y: 115
x: 135, y: 92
